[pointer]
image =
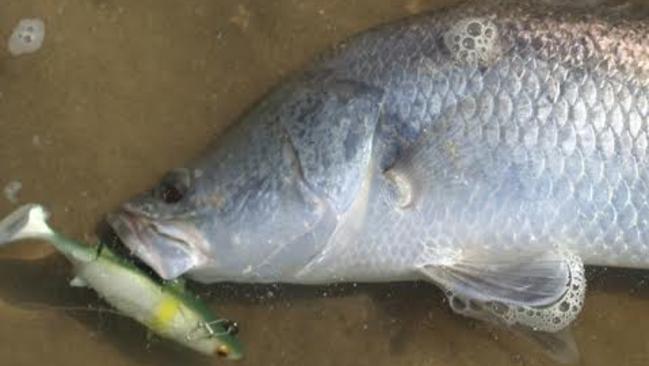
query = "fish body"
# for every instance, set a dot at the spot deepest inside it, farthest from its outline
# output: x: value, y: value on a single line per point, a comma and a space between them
x: 167, y: 309
x: 492, y: 150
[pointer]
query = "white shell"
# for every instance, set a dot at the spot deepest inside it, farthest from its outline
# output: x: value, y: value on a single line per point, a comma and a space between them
x: 27, y: 37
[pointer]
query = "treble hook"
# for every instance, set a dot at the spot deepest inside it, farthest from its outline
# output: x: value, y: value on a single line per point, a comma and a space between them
x: 229, y: 328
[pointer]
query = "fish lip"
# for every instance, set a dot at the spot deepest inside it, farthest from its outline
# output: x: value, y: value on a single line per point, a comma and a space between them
x: 133, y: 211
x: 123, y: 223
x: 132, y: 228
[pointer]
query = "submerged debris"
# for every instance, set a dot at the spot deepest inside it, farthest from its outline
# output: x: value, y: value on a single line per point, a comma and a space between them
x: 27, y: 37
x: 242, y: 18
x: 11, y: 190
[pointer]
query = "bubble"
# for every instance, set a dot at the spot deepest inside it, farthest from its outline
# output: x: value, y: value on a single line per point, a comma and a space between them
x: 468, y: 43
x: 474, y: 29
x: 457, y: 304
x: 499, y: 308
x: 565, y: 306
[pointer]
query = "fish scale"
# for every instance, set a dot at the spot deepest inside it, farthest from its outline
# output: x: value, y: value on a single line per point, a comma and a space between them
x: 560, y: 139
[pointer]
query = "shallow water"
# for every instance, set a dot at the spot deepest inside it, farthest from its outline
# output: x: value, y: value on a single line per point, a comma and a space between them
x: 123, y: 90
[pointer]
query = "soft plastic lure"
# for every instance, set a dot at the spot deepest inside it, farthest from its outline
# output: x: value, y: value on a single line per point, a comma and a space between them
x: 166, y: 308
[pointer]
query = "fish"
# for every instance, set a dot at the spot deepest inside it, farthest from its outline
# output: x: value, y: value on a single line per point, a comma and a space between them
x: 167, y: 309
x: 492, y: 150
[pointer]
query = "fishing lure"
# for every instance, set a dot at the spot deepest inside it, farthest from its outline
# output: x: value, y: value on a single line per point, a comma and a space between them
x: 166, y: 308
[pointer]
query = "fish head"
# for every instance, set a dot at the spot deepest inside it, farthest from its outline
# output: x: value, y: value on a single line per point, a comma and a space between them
x: 230, y: 223
x: 266, y: 199
x: 160, y: 226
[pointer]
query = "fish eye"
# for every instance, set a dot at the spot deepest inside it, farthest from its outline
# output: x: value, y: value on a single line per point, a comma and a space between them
x: 222, y: 351
x: 170, y: 193
x: 173, y: 186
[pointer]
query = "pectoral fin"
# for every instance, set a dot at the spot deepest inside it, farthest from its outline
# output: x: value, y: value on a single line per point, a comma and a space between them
x: 542, y: 291
x: 537, y: 295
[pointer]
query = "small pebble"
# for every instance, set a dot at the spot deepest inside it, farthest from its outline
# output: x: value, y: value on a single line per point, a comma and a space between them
x: 11, y: 191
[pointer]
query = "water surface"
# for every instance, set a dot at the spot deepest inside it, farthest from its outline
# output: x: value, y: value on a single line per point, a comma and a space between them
x: 124, y: 90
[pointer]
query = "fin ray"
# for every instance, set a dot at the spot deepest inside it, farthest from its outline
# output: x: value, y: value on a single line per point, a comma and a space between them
x: 534, y: 279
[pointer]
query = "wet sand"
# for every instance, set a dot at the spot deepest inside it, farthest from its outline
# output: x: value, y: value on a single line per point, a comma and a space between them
x: 120, y: 92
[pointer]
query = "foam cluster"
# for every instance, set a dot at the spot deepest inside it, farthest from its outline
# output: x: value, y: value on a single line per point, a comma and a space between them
x: 472, y: 40
x: 550, y: 318
x: 27, y: 37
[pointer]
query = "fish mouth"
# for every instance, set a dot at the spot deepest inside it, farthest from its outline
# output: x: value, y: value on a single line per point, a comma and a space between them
x: 167, y: 246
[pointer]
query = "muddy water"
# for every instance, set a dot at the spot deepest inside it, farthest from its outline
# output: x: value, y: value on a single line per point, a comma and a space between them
x: 123, y: 90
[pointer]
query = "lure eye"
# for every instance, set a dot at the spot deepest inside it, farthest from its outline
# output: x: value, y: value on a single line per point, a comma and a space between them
x: 222, y: 351
x: 231, y: 327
